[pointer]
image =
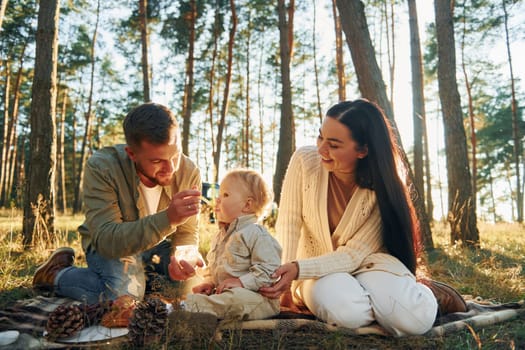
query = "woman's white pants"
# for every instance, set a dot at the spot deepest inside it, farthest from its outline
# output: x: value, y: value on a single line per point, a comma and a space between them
x: 398, y: 303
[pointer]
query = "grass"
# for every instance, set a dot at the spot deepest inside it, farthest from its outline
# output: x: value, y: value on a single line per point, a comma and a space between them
x: 495, y: 272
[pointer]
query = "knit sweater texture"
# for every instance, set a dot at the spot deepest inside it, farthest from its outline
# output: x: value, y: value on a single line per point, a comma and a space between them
x: 303, y: 231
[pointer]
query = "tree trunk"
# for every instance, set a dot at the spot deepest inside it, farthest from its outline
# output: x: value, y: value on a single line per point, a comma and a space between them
x: 61, y: 168
x: 516, y: 135
x: 316, y: 69
x: 290, y: 10
x: 461, y: 208
x: 5, y: 143
x: 74, y: 142
x: 247, y: 119
x: 369, y: 78
x: 12, y: 136
x: 39, y: 206
x: 143, y: 23
x: 472, y: 119
x: 226, y: 96
x: 339, y: 56
x: 86, y: 141
x: 391, y: 50
x: 260, y: 104
x: 3, y: 5
x: 287, y: 129
x: 211, y: 84
x: 418, y: 104
x: 372, y: 87
x: 188, y: 87
x: 418, y: 99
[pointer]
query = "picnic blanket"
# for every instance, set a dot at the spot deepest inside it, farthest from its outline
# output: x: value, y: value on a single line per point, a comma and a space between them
x: 29, y: 318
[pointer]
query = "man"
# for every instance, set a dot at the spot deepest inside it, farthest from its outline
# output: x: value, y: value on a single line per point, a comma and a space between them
x: 136, y: 196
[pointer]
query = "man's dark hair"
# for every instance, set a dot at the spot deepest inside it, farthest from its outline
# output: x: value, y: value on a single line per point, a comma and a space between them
x: 149, y: 122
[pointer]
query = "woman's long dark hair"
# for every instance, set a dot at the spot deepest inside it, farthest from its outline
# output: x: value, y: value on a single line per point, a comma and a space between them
x: 378, y: 171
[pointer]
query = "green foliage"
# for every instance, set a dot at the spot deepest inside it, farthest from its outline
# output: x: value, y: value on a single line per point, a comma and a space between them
x: 118, y: 79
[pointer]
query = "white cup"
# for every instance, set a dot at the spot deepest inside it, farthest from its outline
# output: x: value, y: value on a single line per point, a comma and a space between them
x: 189, y: 253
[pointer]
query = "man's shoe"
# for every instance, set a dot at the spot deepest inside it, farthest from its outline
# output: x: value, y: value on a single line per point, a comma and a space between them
x: 61, y: 258
x: 449, y: 300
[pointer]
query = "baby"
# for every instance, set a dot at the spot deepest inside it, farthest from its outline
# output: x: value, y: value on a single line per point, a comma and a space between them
x: 243, y: 254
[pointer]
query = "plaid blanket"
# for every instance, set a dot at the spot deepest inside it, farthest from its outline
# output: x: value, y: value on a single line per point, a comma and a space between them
x: 29, y: 317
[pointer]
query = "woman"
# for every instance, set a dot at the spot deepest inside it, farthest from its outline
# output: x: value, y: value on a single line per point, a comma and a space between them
x: 348, y: 228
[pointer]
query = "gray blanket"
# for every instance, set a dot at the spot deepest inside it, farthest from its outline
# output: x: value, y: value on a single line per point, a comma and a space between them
x: 29, y: 317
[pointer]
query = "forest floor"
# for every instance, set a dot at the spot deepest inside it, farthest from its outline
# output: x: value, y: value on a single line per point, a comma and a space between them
x: 494, y: 272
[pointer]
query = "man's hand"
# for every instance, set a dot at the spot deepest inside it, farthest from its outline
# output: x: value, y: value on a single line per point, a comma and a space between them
x: 181, y: 270
x: 183, y: 205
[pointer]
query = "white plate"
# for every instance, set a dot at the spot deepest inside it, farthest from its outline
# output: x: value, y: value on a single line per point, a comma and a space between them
x: 8, y: 337
x: 94, y: 333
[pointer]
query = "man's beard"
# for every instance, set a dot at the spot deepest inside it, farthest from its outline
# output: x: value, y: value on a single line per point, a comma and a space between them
x: 154, y: 180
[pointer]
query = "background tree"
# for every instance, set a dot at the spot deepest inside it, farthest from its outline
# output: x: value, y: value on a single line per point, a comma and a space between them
x: 251, y: 126
x: 372, y: 87
x: 88, y: 118
x: 419, y: 114
x: 287, y: 129
x: 17, y: 36
x: 3, y: 5
x: 226, y: 92
x: 190, y: 16
x: 339, y: 54
x: 516, y: 134
x: 144, y: 39
x: 461, y: 207
x: 39, y: 206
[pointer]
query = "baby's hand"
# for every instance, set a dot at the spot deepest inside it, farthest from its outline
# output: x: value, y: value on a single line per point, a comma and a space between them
x: 227, y: 284
x: 203, y: 288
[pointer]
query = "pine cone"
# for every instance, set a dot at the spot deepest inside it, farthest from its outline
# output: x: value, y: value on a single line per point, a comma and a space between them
x: 120, y: 312
x: 149, y: 322
x: 94, y: 313
x: 65, y: 321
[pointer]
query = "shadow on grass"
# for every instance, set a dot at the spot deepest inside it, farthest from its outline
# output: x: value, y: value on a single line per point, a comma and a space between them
x: 479, y: 273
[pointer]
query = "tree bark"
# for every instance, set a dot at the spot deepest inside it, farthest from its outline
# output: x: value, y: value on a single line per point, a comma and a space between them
x: 461, y: 208
x: 39, y: 206
x: 61, y: 168
x: 13, y: 136
x: 86, y: 141
x: 188, y: 87
x: 516, y: 134
x: 246, y: 140
x: 316, y: 69
x: 3, y: 5
x: 226, y: 96
x: 419, y: 113
x: 472, y: 119
x: 287, y: 129
x: 143, y: 22
x: 373, y: 88
x: 339, y: 55
x: 211, y: 81
x: 5, y: 143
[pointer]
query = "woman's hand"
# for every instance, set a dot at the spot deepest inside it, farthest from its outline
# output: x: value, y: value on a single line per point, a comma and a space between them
x: 286, y: 274
x: 182, y: 270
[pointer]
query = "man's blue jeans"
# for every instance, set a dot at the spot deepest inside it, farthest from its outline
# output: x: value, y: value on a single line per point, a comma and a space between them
x: 103, y: 279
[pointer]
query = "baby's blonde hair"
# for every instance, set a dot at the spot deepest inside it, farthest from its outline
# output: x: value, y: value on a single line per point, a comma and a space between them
x: 257, y: 188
